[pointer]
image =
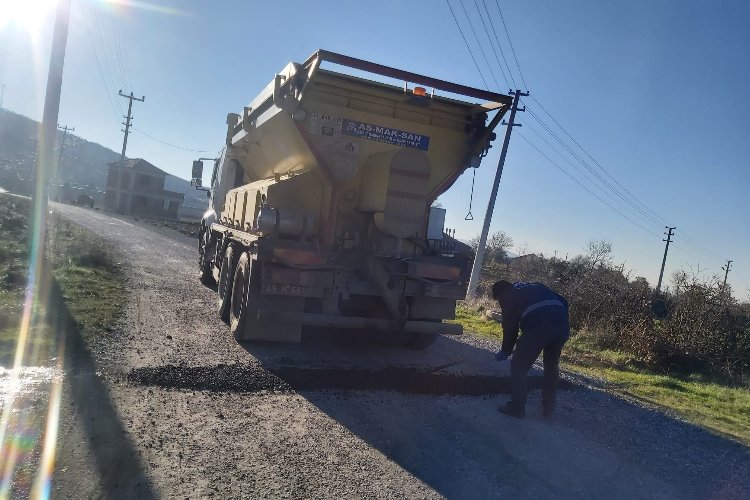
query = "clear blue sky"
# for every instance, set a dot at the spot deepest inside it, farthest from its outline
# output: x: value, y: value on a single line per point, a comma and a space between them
x: 656, y: 91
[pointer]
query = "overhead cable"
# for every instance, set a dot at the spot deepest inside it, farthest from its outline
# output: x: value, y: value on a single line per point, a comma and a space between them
x: 467, y: 45
x: 513, y: 50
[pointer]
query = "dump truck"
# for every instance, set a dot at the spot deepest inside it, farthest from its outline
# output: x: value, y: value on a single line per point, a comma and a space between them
x: 320, y: 211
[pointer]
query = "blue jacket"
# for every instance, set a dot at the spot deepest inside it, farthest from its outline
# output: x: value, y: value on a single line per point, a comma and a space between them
x: 527, y: 304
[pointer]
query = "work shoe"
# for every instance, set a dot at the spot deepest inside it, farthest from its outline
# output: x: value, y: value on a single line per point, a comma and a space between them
x: 513, y: 410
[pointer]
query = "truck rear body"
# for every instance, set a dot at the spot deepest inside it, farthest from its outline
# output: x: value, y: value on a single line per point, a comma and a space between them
x: 327, y: 182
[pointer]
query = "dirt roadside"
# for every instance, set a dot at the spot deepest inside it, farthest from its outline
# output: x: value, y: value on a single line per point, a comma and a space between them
x: 171, y: 406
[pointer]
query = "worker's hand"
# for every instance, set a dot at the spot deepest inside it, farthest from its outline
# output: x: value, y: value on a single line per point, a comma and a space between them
x: 501, y: 356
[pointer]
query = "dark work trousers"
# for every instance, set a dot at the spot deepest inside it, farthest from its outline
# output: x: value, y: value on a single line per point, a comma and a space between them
x: 546, y: 330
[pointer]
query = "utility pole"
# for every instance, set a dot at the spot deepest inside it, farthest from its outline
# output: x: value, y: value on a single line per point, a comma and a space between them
x: 56, y: 188
x: 726, y: 270
x: 65, y: 130
x: 48, y: 131
x: 128, y: 119
x: 476, y: 269
x: 2, y: 95
x: 669, y: 234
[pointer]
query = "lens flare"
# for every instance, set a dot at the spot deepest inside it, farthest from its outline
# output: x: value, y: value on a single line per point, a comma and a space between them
x: 28, y: 14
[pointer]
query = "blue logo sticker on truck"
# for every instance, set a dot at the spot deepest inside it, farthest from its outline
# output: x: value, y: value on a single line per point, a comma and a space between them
x: 386, y: 134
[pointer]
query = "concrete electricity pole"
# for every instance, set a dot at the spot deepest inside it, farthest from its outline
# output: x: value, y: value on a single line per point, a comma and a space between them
x: 476, y: 270
x: 726, y: 270
x: 128, y: 119
x: 48, y: 131
x: 669, y: 234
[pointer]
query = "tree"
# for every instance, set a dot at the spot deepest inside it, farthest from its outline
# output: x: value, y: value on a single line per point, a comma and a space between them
x: 498, y: 245
x: 599, y: 253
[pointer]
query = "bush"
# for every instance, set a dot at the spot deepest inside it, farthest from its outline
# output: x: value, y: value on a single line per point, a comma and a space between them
x: 699, y: 328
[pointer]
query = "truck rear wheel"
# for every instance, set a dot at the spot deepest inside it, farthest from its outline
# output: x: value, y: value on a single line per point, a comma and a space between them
x: 206, y: 246
x: 226, y: 280
x: 244, y: 306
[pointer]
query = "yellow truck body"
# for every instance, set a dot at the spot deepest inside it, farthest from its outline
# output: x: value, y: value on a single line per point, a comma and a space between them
x: 334, y: 174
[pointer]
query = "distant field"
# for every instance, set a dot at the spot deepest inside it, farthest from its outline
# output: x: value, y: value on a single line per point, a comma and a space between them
x: 694, y: 398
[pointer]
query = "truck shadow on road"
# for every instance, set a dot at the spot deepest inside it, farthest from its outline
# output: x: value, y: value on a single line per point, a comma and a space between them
x: 87, y: 405
x: 461, y: 446
x: 331, y: 364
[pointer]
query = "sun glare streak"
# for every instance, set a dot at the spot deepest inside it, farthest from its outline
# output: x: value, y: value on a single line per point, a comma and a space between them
x: 19, y: 431
x: 13, y: 384
x: 136, y: 4
x: 43, y: 480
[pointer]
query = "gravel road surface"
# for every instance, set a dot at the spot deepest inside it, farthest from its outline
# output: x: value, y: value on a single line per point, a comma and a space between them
x: 172, y: 406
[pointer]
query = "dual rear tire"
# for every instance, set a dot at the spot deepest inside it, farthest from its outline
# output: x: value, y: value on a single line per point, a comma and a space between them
x: 238, y: 291
x: 244, y: 305
x: 206, y: 251
x: 226, y: 280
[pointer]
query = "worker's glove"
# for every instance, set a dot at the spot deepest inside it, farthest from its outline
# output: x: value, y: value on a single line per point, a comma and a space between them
x: 501, y: 356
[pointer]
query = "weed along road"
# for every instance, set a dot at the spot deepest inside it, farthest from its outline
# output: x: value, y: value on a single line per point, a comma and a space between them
x: 180, y: 409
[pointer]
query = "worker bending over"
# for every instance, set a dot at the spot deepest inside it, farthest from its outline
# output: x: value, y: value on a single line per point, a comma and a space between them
x: 542, y: 316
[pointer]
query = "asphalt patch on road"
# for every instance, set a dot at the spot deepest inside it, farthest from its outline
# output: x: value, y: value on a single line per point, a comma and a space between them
x: 248, y: 378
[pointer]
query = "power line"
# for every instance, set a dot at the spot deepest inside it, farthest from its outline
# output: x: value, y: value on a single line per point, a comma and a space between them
x: 467, y: 44
x: 690, y: 241
x: 106, y: 54
x: 591, y: 170
x: 583, y: 186
x: 98, y: 64
x: 683, y: 247
x: 507, y: 33
x: 700, y: 248
x: 168, y: 144
x: 632, y: 202
x: 493, y: 46
x: 125, y: 57
x: 118, y: 53
x: 595, y: 161
x: 476, y: 37
x: 700, y: 245
x: 578, y: 169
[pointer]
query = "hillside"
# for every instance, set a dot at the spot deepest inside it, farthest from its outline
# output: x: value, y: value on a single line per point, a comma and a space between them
x: 84, y: 163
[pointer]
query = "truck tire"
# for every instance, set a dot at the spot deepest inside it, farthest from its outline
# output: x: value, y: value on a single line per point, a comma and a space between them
x: 244, y: 304
x: 226, y: 280
x: 205, y: 248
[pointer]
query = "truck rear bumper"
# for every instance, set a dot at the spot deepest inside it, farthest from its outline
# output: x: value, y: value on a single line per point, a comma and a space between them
x: 361, y: 323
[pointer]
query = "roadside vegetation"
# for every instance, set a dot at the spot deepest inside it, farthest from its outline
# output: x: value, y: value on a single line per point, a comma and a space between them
x: 687, y: 350
x: 84, y: 268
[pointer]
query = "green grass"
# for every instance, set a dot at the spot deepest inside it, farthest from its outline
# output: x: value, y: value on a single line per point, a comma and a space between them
x: 95, y: 297
x: 91, y: 284
x: 472, y: 321
x: 13, y: 265
x: 718, y: 407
